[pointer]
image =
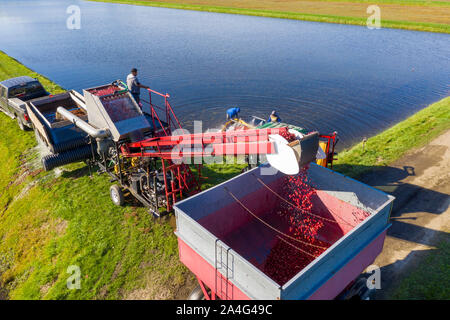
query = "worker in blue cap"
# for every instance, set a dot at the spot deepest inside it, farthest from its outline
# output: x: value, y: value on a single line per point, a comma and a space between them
x: 274, y: 117
x: 233, y: 113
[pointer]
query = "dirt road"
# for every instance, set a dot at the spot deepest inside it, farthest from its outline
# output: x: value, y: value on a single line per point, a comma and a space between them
x: 420, y: 181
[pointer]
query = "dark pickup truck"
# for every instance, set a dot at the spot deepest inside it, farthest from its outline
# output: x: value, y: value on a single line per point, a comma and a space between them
x: 15, y: 94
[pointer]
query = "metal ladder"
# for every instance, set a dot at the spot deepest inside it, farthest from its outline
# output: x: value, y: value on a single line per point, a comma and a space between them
x: 224, y: 270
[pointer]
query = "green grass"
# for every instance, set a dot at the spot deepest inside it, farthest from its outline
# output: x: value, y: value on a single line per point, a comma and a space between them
x: 390, y: 145
x: 418, y: 26
x: 63, y: 222
x: 430, y: 279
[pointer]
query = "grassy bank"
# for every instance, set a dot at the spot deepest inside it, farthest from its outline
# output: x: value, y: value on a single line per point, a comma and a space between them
x: 10, y: 67
x: 390, y: 145
x: 412, y: 15
x: 49, y: 223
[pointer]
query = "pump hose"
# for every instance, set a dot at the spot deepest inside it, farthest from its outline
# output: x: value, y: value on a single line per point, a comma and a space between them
x: 52, y: 161
x: 68, y: 145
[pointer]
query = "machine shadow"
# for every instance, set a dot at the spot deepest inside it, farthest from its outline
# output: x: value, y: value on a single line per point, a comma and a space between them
x: 77, y: 173
x: 84, y: 171
x: 415, y: 233
x: 390, y: 180
x: 410, y: 199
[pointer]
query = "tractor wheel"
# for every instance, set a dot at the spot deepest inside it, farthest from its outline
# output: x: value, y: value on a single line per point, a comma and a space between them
x: 196, y: 294
x: 116, y: 194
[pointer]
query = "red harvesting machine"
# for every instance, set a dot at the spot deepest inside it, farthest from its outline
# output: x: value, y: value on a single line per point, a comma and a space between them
x: 140, y: 151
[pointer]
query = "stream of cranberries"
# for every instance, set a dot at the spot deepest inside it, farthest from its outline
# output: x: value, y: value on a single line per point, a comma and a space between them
x: 288, y: 257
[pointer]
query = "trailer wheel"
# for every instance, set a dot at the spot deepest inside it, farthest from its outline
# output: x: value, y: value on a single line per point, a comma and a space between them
x: 116, y: 194
x: 196, y: 294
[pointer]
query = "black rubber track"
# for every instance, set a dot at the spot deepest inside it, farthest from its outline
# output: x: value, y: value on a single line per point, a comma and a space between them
x: 69, y: 145
x: 52, y: 161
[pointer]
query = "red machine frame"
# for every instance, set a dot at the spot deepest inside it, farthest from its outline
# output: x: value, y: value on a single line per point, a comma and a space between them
x: 181, y: 172
x: 162, y: 145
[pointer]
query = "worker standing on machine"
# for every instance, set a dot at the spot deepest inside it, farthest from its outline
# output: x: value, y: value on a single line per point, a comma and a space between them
x: 233, y: 113
x: 274, y: 117
x: 134, y: 85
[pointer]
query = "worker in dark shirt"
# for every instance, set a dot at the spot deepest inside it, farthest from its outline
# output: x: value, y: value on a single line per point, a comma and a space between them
x: 274, y: 117
x: 134, y: 85
x: 233, y: 113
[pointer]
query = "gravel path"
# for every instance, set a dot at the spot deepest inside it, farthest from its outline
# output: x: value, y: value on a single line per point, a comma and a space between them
x: 420, y: 181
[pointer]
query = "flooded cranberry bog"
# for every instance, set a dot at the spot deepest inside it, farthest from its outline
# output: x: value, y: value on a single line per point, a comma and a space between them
x: 275, y: 236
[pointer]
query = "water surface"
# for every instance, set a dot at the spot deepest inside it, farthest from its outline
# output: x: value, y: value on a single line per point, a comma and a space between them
x: 320, y: 76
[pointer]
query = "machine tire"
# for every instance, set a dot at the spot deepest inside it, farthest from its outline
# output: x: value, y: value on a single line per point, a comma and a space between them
x: 37, y: 135
x: 39, y: 139
x: 116, y: 194
x: 196, y: 294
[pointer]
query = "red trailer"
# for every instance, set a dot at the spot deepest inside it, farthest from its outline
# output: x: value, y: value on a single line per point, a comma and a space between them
x: 234, y: 240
